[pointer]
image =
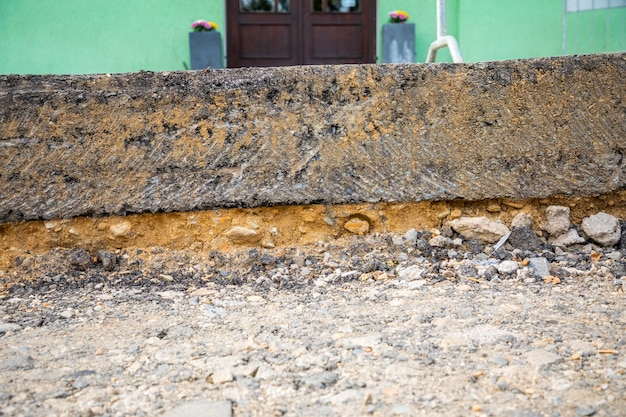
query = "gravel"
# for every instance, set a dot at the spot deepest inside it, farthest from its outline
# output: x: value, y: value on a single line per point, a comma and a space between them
x: 380, y: 324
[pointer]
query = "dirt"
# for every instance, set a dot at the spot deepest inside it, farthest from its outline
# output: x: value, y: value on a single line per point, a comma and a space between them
x: 376, y: 324
x: 284, y: 226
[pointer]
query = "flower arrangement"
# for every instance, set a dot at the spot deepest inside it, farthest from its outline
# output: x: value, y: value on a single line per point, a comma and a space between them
x: 398, y: 16
x: 203, y: 26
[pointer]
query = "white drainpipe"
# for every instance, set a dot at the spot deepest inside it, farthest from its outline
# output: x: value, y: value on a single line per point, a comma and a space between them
x: 443, y: 40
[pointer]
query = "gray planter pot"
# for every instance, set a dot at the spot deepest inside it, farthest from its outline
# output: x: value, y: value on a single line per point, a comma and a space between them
x: 205, y: 50
x: 398, y: 43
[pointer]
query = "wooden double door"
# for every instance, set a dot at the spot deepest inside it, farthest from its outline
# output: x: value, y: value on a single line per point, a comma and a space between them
x: 300, y: 32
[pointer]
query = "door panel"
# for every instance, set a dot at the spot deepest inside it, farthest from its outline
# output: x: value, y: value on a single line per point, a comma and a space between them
x: 339, y: 31
x: 300, y: 32
x: 324, y: 43
x: 255, y: 38
x: 262, y: 33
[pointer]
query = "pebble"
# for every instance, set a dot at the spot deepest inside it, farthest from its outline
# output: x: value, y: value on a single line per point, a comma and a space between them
x: 9, y: 327
x: 240, y: 234
x: 616, y: 255
x: 202, y: 408
x: 67, y: 314
x: 602, y: 228
x: 522, y: 220
x: 540, y: 357
x: 255, y: 299
x: 166, y: 278
x: 411, y: 237
x: 222, y: 376
x: 524, y: 238
x: 357, y: 226
x: 557, y: 220
x: 121, y: 229
x: 539, y: 266
x: 493, y: 208
x: 16, y: 362
x: 411, y: 273
x: 440, y: 241
x: 80, y: 259
x: 108, y: 260
x: 479, y: 228
x: 569, y: 238
x: 508, y: 267
x: 585, y: 411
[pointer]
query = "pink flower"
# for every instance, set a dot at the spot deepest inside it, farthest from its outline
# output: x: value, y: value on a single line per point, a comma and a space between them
x: 398, y: 16
x: 203, y: 25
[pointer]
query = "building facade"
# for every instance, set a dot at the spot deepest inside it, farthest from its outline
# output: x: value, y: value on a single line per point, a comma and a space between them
x: 105, y: 36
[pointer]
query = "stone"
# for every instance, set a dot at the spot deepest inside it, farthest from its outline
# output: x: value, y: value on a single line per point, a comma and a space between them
x: 524, y: 238
x: 474, y: 246
x: 239, y: 234
x: 480, y: 228
x: 440, y: 241
x: 508, y: 267
x: 411, y: 237
x: 357, y: 226
x: 380, y: 275
x: 411, y: 273
x: 522, y: 220
x: 265, y: 372
x: 586, y: 411
x: 493, y: 208
x: 108, y: 260
x: 602, y: 228
x: 121, y: 229
x: 201, y: 408
x: 9, y: 327
x: 67, y: 314
x: 557, y: 220
x: 268, y: 243
x: 166, y: 278
x: 539, y: 266
x: 222, y: 376
x: 18, y: 361
x: 540, y: 357
x: 398, y: 241
x: 423, y: 246
x: 319, y: 380
x: 80, y: 259
x: 571, y: 237
x: 255, y: 299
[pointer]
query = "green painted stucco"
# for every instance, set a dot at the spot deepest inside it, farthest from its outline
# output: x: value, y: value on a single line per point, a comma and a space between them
x: 80, y: 36
x: 508, y: 29
x: 85, y: 36
x: 595, y: 30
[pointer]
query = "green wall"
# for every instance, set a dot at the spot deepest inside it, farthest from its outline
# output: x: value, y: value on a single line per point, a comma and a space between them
x: 87, y: 36
x: 508, y: 29
x: 595, y: 30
